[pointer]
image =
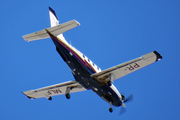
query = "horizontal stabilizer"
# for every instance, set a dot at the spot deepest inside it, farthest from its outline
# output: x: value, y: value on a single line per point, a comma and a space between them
x: 56, y: 30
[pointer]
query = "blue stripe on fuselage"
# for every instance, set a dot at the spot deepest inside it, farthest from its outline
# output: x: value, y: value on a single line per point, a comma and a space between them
x: 85, y: 64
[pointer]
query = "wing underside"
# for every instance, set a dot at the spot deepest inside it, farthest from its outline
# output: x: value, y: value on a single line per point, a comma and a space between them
x: 127, y: 67
x: 58, y: 89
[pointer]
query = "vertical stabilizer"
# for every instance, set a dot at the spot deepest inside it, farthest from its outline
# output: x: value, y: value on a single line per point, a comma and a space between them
x: 53, y: 18
x: 54, y: 22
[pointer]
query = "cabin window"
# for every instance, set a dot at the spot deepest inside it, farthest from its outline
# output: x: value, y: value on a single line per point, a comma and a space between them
x: 88, y: 60
x: 93, y: 64
x: 98, y: 68
x: 83, y: 56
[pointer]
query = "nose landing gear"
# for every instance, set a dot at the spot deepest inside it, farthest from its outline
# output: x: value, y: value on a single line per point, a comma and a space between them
x: 110, y: 110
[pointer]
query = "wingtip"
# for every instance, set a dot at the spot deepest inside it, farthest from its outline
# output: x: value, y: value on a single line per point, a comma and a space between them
x: 159, y: 57
x: 28, y: 96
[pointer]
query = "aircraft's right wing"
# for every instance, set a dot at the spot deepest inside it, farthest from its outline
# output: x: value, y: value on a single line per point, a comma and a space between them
x: 58, y: 89
x: 126, y: 68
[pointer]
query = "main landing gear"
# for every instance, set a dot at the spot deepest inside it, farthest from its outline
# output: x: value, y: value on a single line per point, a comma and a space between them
x: 50, y: 98
x: 67, y: 92
x: 68, y: 96
x: 109, y: 83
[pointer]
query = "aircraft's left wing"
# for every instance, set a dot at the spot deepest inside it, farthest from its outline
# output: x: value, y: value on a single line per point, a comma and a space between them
x: 58, y: 89
x: 121, y: 70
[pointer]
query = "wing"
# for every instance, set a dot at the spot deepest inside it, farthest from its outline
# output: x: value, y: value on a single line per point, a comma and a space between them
x: 126, y: 68
x: 58, y: 89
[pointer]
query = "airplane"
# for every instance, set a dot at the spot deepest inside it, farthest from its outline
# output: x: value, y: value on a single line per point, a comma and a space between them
x: 88, y: 76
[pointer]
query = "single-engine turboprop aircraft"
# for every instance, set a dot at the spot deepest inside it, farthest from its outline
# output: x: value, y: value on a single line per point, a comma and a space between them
x: 88, y: 76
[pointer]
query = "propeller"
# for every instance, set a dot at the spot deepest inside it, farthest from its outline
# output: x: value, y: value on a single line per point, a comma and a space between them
x: 129, y: 98
x: 125, y: 100
x: 122, y: 110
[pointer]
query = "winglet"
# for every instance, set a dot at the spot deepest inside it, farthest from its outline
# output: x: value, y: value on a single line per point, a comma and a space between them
x: 159, y: 57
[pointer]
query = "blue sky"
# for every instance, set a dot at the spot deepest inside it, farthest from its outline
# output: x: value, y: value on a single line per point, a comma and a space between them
x: 111, y: 32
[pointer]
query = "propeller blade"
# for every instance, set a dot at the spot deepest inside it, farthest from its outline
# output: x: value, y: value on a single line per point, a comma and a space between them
x: 128, y: 99
x: 122, y: 110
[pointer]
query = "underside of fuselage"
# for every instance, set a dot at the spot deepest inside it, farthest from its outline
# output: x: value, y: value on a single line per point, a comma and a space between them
x: 82, y: 74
